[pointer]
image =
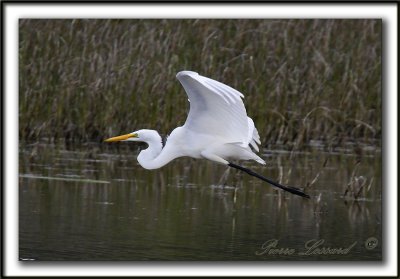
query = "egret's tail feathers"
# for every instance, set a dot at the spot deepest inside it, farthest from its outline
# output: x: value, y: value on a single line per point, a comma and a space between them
x: 261, y: 161
x: 246, y: 152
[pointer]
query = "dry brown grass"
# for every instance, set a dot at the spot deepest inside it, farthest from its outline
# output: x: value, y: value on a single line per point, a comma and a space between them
x: 84, y: 80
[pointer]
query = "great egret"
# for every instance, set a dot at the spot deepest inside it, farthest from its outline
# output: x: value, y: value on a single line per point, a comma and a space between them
x: 217, y: 128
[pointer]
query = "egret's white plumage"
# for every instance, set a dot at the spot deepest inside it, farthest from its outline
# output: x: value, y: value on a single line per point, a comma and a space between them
x: 217, y: 128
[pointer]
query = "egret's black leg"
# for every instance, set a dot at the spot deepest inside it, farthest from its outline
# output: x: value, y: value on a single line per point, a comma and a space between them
x: 289, y: 189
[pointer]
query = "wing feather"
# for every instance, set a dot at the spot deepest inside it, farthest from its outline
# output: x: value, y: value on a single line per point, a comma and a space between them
x: 215, y: 108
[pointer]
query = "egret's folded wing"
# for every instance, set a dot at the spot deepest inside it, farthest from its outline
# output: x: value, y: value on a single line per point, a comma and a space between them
x: 215, y: 108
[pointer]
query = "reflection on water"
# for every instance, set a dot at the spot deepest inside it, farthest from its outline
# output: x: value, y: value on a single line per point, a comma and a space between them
x: 87, y: 203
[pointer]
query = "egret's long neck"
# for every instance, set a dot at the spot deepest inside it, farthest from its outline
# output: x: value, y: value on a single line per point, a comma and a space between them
x: 153, y: 157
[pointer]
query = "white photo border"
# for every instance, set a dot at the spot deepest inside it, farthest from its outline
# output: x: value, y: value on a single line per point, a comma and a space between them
x: 12, y: 11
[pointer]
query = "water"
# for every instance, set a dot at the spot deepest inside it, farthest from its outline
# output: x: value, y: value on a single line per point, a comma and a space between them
x: 92, y: 202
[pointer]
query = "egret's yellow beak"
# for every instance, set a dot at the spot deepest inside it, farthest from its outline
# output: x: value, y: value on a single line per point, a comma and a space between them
x: 123, y: 137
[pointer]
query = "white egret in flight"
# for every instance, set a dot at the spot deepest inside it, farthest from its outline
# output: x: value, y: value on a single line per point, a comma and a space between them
x: 217, y: 128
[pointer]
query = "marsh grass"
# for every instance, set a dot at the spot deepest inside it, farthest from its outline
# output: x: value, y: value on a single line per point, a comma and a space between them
x: 358, y: 186
x: 303, y: 80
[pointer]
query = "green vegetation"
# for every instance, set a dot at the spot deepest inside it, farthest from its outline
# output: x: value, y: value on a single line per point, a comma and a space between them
x: 303, y: 80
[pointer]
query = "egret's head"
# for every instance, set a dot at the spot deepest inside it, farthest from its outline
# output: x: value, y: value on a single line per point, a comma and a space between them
x: 140, y: 135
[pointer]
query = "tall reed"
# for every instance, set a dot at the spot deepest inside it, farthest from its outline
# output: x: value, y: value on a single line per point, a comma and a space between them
x: 303, y: 80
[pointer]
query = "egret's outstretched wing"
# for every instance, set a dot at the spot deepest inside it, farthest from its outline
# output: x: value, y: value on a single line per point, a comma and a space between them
x: 215, y: 108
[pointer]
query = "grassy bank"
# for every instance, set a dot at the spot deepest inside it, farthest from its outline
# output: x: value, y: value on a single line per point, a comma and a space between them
x: 303, y: 80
